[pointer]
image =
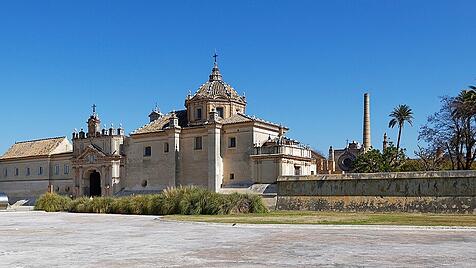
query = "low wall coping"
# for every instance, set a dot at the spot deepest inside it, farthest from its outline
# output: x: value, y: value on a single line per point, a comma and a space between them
x: 384, y: 175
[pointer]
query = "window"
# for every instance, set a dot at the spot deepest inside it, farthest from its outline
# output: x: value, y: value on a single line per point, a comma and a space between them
x: 198, y: 143
x: 199, y: 114
x: 5, y: 172
x: 312, y: 172
x: 66, y: 169
x: 232, y: 176
x: 40, y: 171
x: 297, y: 170
x: 16, y: 171
x: 91, y: 158
x: 28, y: 171
x: 148, y: 151
x: 232, y: 142
x: 166, y: 147
x: 220, y: 111
x: 57, y: 170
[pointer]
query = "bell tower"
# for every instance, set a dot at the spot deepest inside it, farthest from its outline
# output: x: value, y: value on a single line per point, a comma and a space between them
x: 94, y: 123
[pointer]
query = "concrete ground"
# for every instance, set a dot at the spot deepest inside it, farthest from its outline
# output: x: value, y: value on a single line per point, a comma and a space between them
x: 38, y: 239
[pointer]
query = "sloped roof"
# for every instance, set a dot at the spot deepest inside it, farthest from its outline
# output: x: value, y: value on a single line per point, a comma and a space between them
x: 241, y: 118
x: 236, y: 118
x: 162, y: 123
x: 42, y: 147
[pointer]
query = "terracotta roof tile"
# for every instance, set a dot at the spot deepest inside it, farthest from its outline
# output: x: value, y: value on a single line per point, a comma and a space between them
x: 43, y: 147
x: 162, y: 123
x: 240, y: 118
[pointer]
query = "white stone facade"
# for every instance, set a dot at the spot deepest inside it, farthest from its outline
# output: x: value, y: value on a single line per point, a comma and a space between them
x: 212, y: 143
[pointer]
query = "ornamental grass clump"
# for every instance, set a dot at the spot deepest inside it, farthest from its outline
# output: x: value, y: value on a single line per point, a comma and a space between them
x: 101, y: 205
x: 139, y: 204
x: 186, y: 200
x: 122, y: 205
x: 237, y: 203
x: 51, y: 202
x: 173, y: 197
x: 80, y: 205
x: 199, y: 201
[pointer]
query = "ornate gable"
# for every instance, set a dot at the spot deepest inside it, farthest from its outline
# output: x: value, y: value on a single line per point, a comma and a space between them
x: 92, y: 155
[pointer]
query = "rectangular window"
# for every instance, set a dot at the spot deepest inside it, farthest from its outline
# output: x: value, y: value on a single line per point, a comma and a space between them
x: 57, y: 170
x: 5, y: 172
x: 40, y: 171
x: 199, y: 114
x: 232, y: 142
x: 312, y: 172
x: 66, y: 169
x: 220, y: 111
x: 198, y: 143
x: 16, y: 171
x: 28, y: 171
x: 166, y: 147
x: 232, y: 176
x: 297, y: 170
x: 147, y: 151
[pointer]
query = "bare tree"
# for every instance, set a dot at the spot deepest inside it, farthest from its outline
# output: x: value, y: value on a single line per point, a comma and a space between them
x: 431, y: 158
x: 454, y: 129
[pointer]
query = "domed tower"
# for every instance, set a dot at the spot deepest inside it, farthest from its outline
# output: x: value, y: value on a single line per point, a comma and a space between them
x: 214, y: 95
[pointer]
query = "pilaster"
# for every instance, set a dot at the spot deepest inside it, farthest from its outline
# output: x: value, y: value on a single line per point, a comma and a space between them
x: 215, y: 161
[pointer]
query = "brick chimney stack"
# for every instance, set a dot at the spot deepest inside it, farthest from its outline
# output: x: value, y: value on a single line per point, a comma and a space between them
x: 366, y: 133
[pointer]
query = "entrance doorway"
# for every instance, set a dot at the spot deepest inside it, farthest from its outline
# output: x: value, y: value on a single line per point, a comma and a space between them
x: 95, y: 184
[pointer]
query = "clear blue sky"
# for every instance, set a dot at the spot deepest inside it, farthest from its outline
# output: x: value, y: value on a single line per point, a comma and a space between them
x: 304, y: 64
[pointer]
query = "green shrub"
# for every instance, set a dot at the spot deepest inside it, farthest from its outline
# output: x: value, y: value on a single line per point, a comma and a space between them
x: 257, y: 204
x: 172, y: 198
x: 122, y: 205
x: 52, y: 202
x: 237, y: 203
x: 139, y: 204
x: 156, y: 204
x: 186, y: 200
x: 80, y: 205
x: 199, y: 201
x: 100, y: 205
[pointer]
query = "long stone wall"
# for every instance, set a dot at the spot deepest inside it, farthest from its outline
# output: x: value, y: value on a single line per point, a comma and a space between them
x: 437, y: 192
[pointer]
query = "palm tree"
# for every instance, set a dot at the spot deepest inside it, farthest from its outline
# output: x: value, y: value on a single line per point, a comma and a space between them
x: 464, y: 111
x: 464, y: 105
x: 400, y: 114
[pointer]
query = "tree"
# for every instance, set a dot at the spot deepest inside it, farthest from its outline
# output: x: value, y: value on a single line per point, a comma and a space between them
x: 372, y: 161
x: 400, y: 114
x: 453, y: 128
x: 431, y: 158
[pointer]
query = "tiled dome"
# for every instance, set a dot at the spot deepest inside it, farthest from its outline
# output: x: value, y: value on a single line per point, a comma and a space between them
x: 216, y: 88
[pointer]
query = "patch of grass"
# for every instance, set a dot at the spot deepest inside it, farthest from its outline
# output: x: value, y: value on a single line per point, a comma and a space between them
x: 337, y: 218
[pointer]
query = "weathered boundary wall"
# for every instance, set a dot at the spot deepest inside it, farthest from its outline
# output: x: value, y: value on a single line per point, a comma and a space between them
x: 437, y: 192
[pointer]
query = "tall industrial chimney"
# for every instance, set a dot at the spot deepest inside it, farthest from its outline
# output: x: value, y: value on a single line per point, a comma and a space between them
x: 366, y: 140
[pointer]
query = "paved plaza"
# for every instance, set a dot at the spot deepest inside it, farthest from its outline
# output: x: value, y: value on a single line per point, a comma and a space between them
x: 38, y: 239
